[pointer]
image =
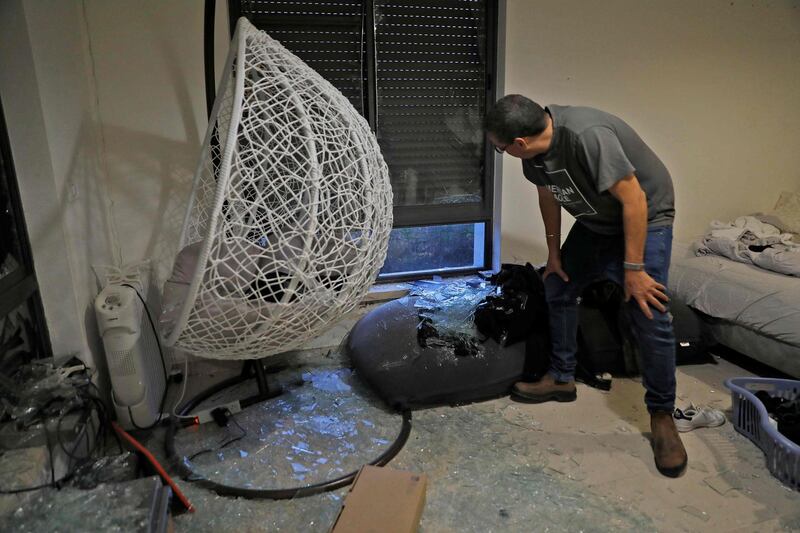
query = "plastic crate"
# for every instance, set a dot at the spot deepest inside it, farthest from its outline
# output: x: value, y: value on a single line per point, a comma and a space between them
x: 750, y: 418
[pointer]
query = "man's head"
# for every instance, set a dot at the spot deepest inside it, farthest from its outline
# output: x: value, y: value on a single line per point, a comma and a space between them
x: 518, y: 126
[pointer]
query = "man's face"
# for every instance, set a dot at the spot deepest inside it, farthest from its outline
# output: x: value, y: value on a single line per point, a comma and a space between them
x: 514, y: 148
x: 525, y: 147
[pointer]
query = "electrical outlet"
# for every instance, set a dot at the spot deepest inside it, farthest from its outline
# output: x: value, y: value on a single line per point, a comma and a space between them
x: 205, y: 415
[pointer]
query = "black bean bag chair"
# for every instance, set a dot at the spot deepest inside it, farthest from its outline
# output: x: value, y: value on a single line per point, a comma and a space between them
x: 394, y: 351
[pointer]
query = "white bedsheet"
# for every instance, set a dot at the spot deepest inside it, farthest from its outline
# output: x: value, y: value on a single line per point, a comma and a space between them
x: 735, y: 240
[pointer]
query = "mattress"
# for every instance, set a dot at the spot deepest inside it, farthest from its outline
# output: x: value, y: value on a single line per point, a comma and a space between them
x: 765, y: 302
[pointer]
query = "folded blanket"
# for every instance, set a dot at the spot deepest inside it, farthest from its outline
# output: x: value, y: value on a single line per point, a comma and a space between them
x: 751, y: 240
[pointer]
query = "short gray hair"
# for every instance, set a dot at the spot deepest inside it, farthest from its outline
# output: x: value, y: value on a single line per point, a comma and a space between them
x: 515, y: 116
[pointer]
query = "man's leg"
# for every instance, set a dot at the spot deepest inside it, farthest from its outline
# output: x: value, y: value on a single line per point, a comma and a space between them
x: 656, y: 338
x: 656, y: 341
x: 579, y: 259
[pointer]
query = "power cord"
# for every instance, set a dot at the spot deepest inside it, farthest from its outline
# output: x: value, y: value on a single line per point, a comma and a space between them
x: 177, y: 403
x: 50, y: 454
x: 222, y: 416
x: 56, y: 483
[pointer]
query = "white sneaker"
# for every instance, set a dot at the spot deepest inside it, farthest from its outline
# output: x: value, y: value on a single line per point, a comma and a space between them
x: 697, y: 417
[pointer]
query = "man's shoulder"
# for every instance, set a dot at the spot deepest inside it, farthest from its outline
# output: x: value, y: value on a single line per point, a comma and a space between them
x: 580, y: 119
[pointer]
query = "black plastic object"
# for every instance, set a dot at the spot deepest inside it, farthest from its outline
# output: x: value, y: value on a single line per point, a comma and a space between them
x: 606, y: 342
x: 518, y: 311
x: 384, y: 349
x: 690, y: 337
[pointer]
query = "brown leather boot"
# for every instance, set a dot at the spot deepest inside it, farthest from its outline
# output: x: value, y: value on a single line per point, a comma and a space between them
x: 545, y: 390
x: 668, y: 450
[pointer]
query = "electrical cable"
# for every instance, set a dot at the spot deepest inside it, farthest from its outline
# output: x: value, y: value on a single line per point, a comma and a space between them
x: 185, y: 470
x: 53, y: 483
x: 49, y: 453
x: 102, y: 412
x: 226, y: 443
x: 183, y: 389
x: 58, y: 432
x: 149, y: 456
x: 105, y: 417
x: 93, y: 404
x: 163, y: 366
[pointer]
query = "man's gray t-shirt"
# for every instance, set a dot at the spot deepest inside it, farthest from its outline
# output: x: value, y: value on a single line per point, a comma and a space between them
x: 592, y: 150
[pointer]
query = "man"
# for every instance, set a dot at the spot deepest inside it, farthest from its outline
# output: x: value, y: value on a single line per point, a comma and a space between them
x: 595, y: 166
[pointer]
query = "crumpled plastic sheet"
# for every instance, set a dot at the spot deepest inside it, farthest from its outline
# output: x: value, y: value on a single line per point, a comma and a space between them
x: 36, y: 385
x: 325, y: 428
x: 113, y: 507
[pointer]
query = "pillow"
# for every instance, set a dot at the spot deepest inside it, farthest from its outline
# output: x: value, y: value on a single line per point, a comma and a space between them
x: 236, y: 272
x: 176, y: 288
x: 787, y: 209
x: 186, y: 264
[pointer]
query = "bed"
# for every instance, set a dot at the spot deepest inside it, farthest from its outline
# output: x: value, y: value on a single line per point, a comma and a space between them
x: 751, y: 310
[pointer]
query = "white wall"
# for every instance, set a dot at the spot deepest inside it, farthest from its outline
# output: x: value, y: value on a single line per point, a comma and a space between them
x: 48, y: 100
x: 148, y: 58
x: 713, y: 87
x: 105, y: 106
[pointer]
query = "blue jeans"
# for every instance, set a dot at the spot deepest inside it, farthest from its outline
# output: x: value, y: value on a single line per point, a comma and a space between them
x: 586, y: 257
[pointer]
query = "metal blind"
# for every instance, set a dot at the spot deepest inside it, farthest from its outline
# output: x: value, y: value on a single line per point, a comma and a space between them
x: 327, y: 35
x: 418, y: 71
x: 431, y: 86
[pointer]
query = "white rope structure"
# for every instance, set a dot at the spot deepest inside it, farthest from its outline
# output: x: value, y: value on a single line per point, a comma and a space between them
x: 290, y: 211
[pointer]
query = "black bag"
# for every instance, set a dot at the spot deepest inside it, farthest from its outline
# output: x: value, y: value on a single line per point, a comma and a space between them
x: 505, y: 318
x: 691, y: 338
x: 605, y: 341
x: 517, y: 309
x: 516, y: 313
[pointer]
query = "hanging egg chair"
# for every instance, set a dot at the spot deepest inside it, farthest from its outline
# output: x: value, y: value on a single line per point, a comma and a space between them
x: 290, y: 211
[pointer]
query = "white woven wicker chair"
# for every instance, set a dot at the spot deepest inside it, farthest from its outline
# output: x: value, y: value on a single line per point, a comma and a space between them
x: 290, y: 211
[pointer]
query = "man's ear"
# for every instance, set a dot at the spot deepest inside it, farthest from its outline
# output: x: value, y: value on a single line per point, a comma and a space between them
x: 521, y: 142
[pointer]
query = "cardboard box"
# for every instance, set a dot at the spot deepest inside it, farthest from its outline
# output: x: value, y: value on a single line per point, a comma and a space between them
x: 383, y: 500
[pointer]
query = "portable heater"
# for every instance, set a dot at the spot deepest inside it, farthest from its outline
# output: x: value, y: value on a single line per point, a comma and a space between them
x: 134, y: 364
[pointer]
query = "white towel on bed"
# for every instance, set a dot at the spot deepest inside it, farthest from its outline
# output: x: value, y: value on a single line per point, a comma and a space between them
x: 750, y: 240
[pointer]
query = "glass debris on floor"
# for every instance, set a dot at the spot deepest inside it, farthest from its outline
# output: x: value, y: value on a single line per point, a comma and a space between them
x: 492, y: 466
x: 487, y: 468
x: 488, y: 477
x: 324, y: 425
x: 486, y: 474
x: 137, y: 505
x: 109, y: 469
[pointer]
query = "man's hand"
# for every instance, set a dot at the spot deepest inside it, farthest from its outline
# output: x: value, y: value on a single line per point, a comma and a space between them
x: 554, y: 267
x: 646, y: 291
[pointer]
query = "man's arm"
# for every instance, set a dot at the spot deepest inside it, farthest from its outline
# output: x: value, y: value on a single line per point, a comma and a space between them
x: 638, y: 283
x: 551, y: 215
